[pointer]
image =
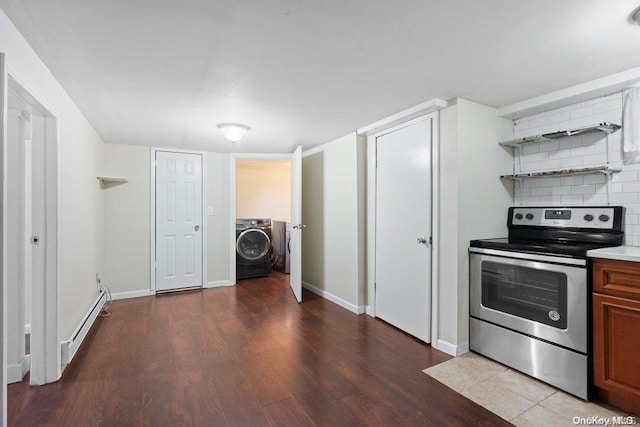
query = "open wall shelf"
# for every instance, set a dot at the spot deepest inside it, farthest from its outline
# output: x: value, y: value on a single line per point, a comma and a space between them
x: 564, y: 172
x: 109, y: 181
x: 603, y: 128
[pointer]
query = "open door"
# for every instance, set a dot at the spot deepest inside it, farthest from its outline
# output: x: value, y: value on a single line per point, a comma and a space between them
x: 295, y: 277
x: 3, y: 281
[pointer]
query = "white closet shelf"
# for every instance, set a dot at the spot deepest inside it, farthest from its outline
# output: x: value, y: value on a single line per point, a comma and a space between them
x: 106, y: 180
x: 602, y: 128
x: 563, y: 172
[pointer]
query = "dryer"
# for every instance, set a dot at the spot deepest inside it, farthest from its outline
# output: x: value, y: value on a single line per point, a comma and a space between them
x: 281, y: 237
x: 253, y: 248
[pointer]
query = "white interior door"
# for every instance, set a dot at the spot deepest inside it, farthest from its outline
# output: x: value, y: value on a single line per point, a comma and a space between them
x: 295, y: 276
x: 178, y: 220
x: 403, y: 229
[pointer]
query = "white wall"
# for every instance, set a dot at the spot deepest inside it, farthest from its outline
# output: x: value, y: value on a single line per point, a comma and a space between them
x: 575, y: 153
x: 340, y: 176
x: 127, y: 219
x: 263, y: 189
x: 80, y: 203
x: 313, y: 217
x: 473, y: 204
x: 220, y: 222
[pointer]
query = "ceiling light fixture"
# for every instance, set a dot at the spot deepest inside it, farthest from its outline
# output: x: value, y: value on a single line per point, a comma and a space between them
x: 635, y: 16
x: 233, y: 131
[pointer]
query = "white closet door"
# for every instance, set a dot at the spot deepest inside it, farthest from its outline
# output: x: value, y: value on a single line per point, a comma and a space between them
x: 178, y: 220
x: 403, y: 229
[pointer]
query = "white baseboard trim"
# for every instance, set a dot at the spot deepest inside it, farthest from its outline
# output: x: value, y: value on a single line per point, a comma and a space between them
x: 27, y: 329
x: 70, y: 346
x: 132, y: 294
x: 452, y: 349
x: 357, y: 309
x: 218, y: 284
x: 369, y: 311
x: 15, y: 373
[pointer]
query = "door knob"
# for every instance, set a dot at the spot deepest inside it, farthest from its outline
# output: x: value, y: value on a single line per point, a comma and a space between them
x: 197, y: 227
x: 423, y: 241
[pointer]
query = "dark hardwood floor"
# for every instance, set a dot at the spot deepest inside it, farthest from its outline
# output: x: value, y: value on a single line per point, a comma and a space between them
x: 245, y: 355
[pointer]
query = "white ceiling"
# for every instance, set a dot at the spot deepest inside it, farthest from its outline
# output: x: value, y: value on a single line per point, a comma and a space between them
x: 165, y: 72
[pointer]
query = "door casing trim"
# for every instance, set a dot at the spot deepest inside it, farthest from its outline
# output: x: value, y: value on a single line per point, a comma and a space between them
x: 232, y: 201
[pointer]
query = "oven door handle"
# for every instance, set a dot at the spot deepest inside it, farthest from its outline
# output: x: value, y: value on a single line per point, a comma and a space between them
x: 530, y: 257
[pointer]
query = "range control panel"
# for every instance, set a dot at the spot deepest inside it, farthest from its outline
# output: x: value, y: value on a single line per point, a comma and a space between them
x: 582, y: 217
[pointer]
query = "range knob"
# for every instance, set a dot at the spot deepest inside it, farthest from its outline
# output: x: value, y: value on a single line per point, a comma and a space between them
x: 588, y: 217
x: 518, y: 216
x: 603, y: 218
x: 529, y: 216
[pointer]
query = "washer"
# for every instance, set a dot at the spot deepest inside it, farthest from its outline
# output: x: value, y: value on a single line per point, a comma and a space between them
x: 253, y: 248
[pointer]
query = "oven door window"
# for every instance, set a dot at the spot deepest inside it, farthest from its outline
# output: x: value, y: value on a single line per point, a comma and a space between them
x: 538, y: 295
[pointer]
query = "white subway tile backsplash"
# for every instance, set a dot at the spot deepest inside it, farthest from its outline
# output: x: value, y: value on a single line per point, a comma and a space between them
x: 630, y: 240
x: 579, y: 152
x: 572, y: 180
x: 550, y: 164
x: 617, y: 95
x: 623, y: 198
x: 594, y: 159
x: 594, y: 179
x: 573, y: 199
x: 592, y: 101
x: 616, y: 187
x: 632, y: 219
x: 541, y: 191
x: 570, y: 162
x: 582, y: 150
x: 615, y: 104
x: 631, y: 187
x: 633, y: 208
x: 583, y: 189
x: 626, y: 176
x: 530, y: 149
x: 571, y: 124
x: 595, y: 199
x: 614, y: 116
x: 582, y: 112
x: 560, y: 191
x: 600, y: 146
x: 549, y: 146
x: 594, y: 119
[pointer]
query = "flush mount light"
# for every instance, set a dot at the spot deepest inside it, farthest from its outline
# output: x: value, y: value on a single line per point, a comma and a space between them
x: 233, y: 131
x: 635, y: 16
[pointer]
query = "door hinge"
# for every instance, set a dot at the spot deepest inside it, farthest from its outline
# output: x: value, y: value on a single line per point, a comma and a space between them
x: 430, y: 240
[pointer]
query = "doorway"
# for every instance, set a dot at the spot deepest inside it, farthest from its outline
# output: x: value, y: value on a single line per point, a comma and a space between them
x: 178, y: 220
x: 31, y: 237
x: 403, y: 226
x: 265, y: 207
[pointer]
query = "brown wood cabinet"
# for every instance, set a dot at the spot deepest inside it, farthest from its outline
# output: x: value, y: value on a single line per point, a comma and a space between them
x: 616, y: 332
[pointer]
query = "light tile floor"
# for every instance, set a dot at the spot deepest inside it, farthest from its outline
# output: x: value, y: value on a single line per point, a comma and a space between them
x: 516, y: 397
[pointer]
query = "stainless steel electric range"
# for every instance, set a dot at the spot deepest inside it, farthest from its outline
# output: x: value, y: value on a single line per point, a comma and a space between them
x: 530, y: 304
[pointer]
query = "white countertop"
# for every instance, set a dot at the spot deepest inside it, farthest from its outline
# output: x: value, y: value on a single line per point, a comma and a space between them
x: 622, y: 253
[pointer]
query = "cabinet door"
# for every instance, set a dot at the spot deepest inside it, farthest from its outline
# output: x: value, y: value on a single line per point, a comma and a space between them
x: 616, y: 328
x: 618, y: 278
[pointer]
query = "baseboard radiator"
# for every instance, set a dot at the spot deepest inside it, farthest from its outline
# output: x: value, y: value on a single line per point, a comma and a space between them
x: 70, y: 346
